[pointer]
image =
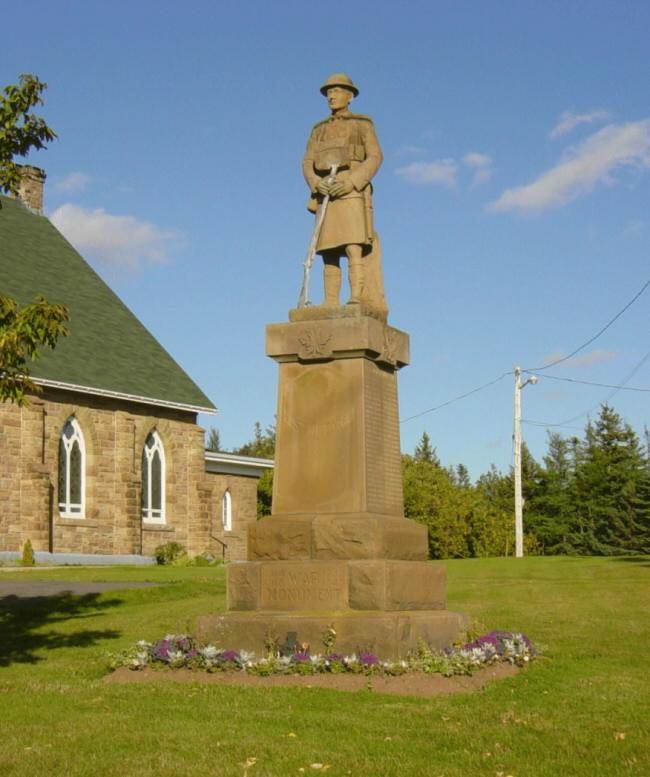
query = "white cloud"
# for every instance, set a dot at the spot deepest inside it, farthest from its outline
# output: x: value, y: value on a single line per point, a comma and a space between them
x: 410, y: 151
x: 120, y: 241
x: 635, y: 227
x: 440, y: 172
x: 75, y: 182
x: 595, y: 160
x: 597, y: 356
x: 481, y: 164
x: 474, y: 159
x: 570, y: 119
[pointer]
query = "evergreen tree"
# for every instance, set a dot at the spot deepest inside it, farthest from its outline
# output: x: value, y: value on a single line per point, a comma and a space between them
x: 552, y: 511
x: 610, y: 488
x: 424, y: 451
x: 213, y: 442
x: 462, y: 476
x: 262, y: 445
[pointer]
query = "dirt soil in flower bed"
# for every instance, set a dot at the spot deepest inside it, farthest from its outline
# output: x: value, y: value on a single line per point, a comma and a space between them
x: 412, y: 684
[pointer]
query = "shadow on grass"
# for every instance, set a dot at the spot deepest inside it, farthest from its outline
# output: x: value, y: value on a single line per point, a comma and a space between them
x: 22, y: 620
x: 643, y: 561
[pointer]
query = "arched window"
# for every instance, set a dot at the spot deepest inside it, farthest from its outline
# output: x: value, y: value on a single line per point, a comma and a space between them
x: 153, y: 479
x: 72, y: 470
x: 226, y: 510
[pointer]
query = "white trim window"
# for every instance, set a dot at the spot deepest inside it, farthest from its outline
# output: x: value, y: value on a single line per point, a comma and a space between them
x: 72, y: 470
x: 226, y: 510
x: 153, y: 479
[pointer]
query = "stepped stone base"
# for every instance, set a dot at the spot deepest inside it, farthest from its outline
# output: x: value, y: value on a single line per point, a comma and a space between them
x: 376, y: 584
x: 387, y: 634
x: 344, y: 536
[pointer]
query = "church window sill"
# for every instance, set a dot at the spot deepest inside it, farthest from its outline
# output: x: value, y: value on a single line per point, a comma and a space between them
x: 157, y: 527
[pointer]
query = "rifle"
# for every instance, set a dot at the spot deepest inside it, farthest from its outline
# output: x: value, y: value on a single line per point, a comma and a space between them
x: 303, y: 299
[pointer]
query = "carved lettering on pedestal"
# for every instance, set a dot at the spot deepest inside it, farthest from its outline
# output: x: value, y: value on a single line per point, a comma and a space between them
x: 302, y: 589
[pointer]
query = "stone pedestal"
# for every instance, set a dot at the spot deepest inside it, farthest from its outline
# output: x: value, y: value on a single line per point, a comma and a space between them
x: 337, y: 548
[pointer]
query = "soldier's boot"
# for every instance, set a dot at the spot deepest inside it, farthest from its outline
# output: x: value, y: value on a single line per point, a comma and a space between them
x: 355, y: 274
x: 332, y: 284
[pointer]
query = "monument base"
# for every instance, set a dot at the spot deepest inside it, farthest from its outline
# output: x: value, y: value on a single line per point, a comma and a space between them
x: 389, y: 635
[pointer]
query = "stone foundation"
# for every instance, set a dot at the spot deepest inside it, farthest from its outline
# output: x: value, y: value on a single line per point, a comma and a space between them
x: 387, y: 634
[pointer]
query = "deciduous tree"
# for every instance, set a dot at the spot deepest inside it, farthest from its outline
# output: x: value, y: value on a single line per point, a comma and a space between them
x: 22, y: 331
x: 21, y: 131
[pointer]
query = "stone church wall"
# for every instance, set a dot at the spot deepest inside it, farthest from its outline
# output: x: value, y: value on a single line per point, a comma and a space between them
x: 114, y: 435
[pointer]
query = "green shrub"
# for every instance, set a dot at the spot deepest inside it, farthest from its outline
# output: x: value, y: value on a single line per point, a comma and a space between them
x: 28, y: 559
x: 169, y: 553
x: 204, y: 560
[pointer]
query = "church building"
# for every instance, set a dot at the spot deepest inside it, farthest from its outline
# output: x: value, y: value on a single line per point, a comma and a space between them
x: 108, y: 461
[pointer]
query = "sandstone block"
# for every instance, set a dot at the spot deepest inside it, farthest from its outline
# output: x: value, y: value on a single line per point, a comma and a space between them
x: 242, y: 585
x: 357, y: 538
x: 303, y: 585
x: 396, y: 585
x: 279, y: 538
x: 388, y: 634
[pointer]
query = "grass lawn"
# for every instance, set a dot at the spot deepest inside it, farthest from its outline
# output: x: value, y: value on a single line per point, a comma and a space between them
x: 583, y: 709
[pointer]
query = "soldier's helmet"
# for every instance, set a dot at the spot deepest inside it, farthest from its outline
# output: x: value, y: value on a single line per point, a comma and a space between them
x: 339, y: 79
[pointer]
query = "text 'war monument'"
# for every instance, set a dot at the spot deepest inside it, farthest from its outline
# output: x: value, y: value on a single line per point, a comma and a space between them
x: 337, y: 549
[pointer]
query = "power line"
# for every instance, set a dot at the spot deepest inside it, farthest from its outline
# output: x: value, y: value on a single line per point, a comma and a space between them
x: 615, y: 390
x: 621, y: 387
x: 552, y: 364
x: 595, y: 337
x: 547, y: 425
x: 459, y: 397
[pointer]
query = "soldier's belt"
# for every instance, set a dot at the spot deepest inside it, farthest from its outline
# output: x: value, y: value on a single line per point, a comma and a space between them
x: 342, y: 156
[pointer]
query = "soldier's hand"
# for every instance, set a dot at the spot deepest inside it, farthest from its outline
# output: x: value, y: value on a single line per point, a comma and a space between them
x: 341, y: 188
x: 323, y: 187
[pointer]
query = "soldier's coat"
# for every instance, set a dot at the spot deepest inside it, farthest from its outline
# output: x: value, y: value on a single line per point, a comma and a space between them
x: 350, y: 139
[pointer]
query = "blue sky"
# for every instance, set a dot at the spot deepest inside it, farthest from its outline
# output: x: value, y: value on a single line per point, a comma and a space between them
x: 512, y: 202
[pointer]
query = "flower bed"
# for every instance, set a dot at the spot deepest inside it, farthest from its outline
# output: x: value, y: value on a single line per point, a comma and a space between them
x: 178, y: 651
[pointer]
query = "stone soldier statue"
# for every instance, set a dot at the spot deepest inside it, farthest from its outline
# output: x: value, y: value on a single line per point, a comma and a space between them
x: 348, y: 140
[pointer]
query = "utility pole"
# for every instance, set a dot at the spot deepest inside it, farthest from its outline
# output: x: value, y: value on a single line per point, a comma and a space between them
x: 519, y: 502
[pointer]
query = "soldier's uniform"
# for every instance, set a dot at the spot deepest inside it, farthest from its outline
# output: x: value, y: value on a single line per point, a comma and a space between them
x: 348, y: 139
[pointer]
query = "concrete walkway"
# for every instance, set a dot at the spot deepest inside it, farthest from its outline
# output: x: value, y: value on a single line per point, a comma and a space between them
x: 29, y: 590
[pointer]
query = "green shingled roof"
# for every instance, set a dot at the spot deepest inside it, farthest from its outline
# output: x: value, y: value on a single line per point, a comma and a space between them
x: 108, y: 348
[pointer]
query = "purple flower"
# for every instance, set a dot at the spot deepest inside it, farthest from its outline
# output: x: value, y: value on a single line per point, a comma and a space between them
x: 368, y: 659
x: 335, y: 658
x: 300, y: 658
x: 495, y: 640
x: 161, y: 650
x: 229, y: 656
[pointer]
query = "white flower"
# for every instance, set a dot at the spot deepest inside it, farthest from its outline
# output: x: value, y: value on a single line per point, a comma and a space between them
x: 209, y: 652
x: 246, y: 656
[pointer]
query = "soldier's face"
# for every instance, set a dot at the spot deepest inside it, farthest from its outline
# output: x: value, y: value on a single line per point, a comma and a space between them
x: 338, y: 97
